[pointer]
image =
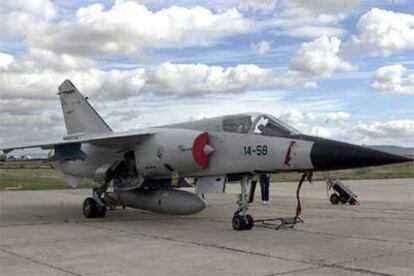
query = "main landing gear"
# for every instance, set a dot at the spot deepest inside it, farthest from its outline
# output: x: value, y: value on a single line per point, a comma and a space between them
x: 92, y: 208
x: 242, y: 220
x: 95, y: 206
x: 123, y: 174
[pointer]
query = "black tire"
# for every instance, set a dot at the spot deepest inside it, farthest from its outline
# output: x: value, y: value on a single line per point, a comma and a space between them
x: 353, y: 201
x: 343, y: 200
x: 250, y: 222
x: 334, y: 199
x: 237, y: 223
x: 100, y: 211
x: 89, y: 207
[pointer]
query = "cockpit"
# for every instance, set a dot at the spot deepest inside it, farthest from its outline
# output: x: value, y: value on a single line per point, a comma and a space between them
x: 261, y: 124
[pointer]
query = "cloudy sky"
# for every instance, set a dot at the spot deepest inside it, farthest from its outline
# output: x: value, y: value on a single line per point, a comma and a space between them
x: 341, y: 69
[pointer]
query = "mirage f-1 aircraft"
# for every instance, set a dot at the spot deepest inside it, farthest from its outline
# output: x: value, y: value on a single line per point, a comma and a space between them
x: 146, y: 166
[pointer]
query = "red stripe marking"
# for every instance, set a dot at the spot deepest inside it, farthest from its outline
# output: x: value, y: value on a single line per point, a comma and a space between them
x: 288, y: 156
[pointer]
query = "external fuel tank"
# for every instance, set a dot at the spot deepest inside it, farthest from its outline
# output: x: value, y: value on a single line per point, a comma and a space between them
x: 174, y: 202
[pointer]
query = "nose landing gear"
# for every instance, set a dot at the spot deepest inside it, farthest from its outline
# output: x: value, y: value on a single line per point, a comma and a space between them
x: 241, y: 220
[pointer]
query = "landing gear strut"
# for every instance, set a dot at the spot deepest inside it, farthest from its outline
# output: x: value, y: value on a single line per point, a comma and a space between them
x: 95, y: 206
x: 241, y: 220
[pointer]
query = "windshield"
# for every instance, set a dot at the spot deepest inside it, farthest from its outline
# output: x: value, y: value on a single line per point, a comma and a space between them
x: 273, y: 127
x: 238, y: 124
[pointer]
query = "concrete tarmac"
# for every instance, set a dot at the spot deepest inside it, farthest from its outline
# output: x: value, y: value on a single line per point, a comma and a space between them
x: 45, y: 233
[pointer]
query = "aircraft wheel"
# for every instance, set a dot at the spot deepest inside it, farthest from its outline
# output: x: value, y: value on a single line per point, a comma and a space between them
x: 100, y: 211
x: 90, y: 208
x: 334, y: 198
x: 250, y: 221
x: 239, y: 223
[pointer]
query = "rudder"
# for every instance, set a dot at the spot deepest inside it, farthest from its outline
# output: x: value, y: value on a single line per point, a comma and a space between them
x: 79, y: 115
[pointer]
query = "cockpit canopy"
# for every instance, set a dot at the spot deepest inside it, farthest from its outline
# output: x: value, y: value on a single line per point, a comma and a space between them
x: 261, y: 124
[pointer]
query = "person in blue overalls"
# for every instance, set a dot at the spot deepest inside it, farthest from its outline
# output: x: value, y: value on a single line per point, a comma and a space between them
x: 264, y: 180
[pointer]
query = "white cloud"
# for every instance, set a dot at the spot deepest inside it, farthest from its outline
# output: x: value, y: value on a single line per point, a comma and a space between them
x: 312, y: 19
x: 319, y: 58
x: 42, y: 8
x: 314, y: 31
x: 310, y: 122
x: 262, y: 47
x: 342, y: 126
x: 43, y: 126
x: 320, y: 131
x: 258, y: 5
x: 60, y: 62
x: 310, y: 85
x: 66, y: 47
x: 390, y: 132
x: 292, y: 78
x: 26, y: 79
x: 304, y: 19
x: 338, y: 117
x: 393, y: 79
x: 314, y: 60
x: 42, y: 84
x: 192, y: 79
x: 317, y: 7
x: 296, y: 118
x: 5, y: 60
x: 20, y: 106
x: 381, y: 32
x: 22, y: 24
x: 128, y: 27
x: 300, y: 8
x: 394, y: 132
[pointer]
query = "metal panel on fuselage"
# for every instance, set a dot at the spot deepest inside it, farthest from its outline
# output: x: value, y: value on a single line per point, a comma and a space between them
x: 166, y: 152
x: 236, y: 153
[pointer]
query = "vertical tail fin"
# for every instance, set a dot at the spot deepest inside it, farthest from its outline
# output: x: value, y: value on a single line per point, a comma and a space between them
x: 79, y: 115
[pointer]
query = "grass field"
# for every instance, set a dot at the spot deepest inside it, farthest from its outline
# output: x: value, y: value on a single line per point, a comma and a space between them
x: 33, y: 176
x: 38, y: 175
x: 382, y: 172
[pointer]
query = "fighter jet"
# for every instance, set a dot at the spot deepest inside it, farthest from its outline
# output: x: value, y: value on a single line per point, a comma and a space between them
x: 144, y: 167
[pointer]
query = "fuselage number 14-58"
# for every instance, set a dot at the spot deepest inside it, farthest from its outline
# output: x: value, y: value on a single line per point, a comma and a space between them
x: 255, y: 150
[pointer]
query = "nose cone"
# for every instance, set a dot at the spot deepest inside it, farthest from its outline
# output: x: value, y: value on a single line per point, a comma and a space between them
x: 335, y: 155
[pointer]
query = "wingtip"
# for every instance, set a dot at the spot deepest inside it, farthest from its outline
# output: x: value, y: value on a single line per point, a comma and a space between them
x: 66, y: 87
